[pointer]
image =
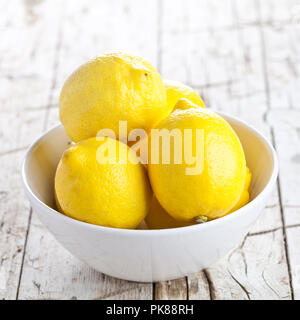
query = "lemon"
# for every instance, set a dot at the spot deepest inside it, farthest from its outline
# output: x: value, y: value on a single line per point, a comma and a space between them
x: 177, y: 90
x: 158, y: 218
x: 112, y: 87
x: 244, y: 198
x: 113, y: 193
x: 187, y: 191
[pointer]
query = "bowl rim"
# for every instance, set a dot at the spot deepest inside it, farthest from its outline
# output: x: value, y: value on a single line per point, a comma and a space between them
x: 141, y: 232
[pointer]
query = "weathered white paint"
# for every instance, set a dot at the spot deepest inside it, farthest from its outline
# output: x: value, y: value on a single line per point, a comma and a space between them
x: 241, y: 56
x: 27, y: 46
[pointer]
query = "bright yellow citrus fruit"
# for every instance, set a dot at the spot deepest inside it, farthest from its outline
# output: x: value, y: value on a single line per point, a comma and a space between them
x: 218, y: 187
x: 115, y: 193
x: 112, y: 87
x: 177, y: 90
x: 158, y: 218
x: 244, y: 198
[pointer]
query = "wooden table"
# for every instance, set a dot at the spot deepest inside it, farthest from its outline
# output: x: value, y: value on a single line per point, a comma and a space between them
x: 242, y: 56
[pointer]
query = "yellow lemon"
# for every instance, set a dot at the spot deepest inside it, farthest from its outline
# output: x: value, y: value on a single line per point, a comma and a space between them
x: 107, y: 190
x: 112, y: 87
x: 244, y: 198
x: 177, y: 90
x: 210, y: 186
x: 158, y: 218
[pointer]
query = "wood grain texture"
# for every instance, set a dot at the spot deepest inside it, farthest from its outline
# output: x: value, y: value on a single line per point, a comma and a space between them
x: 26, y: 68
x: 266, y: 276
x: 281, y: 43
x: 241, y: 56
x: 14, y: 215
x: 171, y: 290
x: 293, y: 238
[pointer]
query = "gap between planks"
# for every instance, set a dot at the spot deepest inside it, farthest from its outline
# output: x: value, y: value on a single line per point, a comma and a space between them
x: 24, y: 252
x: 283, y: 225
x: 46, y: 117
x: 267, y: 91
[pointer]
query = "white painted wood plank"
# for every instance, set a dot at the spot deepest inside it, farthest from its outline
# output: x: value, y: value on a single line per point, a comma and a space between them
x: 26, y: 48
x: 287, y: 140
x: 270, y: 219
x: 198, y: 287
x: 282, y: 48
x: 53, y: 117
x: 171, y: 290
x: 283, y: 65
x: 14, y: 212
x: 292, y: 216
x: 275, y: 12
x: 256, y: 270
x: 25, y: 79
x: 246, y: 12
x: 19, y: 131
x: 188, y: 36
x: 293, y: 238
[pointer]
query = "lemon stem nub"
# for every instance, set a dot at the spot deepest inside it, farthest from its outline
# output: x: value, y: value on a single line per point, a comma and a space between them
x: 201, y: 219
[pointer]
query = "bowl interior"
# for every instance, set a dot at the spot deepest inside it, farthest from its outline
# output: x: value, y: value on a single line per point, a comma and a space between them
x: 43, y: 157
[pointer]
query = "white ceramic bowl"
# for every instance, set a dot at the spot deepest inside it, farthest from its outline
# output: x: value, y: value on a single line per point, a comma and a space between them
x: 148, y: 255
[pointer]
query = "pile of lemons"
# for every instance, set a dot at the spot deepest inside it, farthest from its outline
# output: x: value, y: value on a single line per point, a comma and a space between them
x: 120, y: 87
